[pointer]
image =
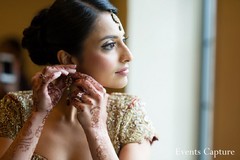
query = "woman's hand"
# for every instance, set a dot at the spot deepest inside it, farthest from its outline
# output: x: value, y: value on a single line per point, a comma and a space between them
x: 90, y: 99
x: 48, y: 86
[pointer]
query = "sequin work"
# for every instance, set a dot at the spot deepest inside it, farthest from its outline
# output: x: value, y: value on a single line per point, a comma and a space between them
x: 127, y: 121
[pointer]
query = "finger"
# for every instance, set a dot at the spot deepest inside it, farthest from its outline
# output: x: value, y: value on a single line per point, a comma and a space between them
x: 35, y: 79
x: 69, y: 68
x: 61, y: 83
x: 64, y: 69
x: 78, y: 104
x: 87, y: 99
x: 51, y: 73
x: 97, y: 85
x: 84, y: 98
x: 88, y: 88
x: 48, y: 78
x: 76, y: 94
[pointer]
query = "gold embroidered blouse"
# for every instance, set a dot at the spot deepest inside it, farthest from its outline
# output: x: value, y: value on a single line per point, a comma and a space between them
x: 127, y: 121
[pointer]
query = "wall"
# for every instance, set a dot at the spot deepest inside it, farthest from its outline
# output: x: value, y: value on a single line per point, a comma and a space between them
x: 227, y: 85
x: 16, y: 15
x: 164, y: 36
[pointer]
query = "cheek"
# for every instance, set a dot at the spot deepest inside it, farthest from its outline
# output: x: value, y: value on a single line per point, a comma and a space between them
x: 98, y: 64
x: 102, y: 62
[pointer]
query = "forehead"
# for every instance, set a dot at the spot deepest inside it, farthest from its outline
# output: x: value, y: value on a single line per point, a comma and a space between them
x: 104, y: 26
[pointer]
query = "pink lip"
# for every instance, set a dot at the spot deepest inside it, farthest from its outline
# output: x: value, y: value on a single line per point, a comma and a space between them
x: 124, y: 71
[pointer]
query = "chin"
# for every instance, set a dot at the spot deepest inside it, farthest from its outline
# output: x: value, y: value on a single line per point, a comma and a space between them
x: 118, y: 85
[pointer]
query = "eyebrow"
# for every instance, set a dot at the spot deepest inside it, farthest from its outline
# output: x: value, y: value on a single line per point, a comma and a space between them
x: 109, y: 37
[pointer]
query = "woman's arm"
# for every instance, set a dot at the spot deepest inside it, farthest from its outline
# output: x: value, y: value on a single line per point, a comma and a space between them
x: 136, y: 151
x: 90, y: 99
x: 100, y: 145
x: 102, y: 149
x: 46, y: 95
x: 23, y: 146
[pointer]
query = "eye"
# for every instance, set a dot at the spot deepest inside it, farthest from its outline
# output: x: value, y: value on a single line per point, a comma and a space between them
x: 125, y: 39
x: 109, y: 46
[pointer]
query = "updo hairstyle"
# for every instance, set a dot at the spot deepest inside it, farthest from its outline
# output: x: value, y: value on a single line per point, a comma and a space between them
x: 63, y: 26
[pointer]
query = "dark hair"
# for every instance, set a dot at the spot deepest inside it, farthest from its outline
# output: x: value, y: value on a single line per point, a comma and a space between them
x: 63, y: 26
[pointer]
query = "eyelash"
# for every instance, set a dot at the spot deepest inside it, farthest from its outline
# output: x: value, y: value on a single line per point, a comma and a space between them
x: 125, y: 39
x: 110, y: 46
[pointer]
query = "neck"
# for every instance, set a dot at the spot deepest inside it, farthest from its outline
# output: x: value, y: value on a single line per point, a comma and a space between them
x: 65, y: 112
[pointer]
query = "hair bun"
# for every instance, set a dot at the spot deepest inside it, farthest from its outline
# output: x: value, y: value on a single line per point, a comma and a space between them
x: 33, y: 39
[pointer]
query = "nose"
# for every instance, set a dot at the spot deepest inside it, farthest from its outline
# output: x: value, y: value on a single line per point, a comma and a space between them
x: 126, y: 55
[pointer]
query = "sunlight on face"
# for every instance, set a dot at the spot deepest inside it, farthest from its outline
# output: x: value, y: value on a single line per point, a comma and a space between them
x: 105, y: 54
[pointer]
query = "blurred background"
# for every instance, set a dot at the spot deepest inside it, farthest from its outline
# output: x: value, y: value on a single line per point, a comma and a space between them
x: 186, y: 68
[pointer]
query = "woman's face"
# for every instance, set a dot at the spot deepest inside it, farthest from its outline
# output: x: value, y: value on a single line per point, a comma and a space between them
x: 105, y: 56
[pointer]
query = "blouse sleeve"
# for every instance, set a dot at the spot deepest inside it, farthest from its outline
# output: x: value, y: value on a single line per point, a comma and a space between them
x: 136, y: 126
x: 127, y: 121
x: 12, y: 114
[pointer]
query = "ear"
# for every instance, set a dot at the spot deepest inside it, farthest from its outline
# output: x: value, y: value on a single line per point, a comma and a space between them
x: 64, y: 57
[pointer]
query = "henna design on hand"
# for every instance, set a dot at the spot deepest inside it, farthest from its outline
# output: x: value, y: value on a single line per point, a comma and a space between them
x: 55, y: 93
x: 43, y: 78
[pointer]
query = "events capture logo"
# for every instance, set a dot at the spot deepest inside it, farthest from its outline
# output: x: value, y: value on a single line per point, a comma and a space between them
x: 207, y: 151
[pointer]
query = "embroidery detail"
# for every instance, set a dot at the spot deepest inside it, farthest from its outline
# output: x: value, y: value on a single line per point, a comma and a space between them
x: 125, y: 124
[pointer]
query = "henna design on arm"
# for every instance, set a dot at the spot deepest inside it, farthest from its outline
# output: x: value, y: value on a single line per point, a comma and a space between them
x: 100, y: 149
x: 100, y: 145
x: 25, y: 139
x: 40, y: 128
x: 95, y: 112
x: 39, y: 131
x: 25, y: 143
